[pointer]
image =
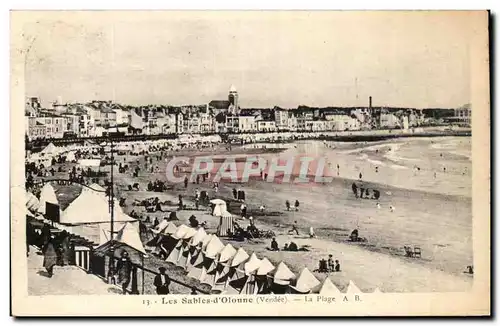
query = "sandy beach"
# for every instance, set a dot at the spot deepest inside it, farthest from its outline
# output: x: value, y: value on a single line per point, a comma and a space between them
x: 433, y: 213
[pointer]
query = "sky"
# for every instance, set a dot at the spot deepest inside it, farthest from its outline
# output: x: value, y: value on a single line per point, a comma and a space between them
x: 409, y: 59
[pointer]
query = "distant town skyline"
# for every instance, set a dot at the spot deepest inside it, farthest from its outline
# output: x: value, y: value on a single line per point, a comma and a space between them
x: 405, y: 59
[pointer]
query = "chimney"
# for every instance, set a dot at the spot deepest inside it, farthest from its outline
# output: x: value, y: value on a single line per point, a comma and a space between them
x: 370, y: 102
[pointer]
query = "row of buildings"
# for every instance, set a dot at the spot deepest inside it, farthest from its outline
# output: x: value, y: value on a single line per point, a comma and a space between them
x: 97, y: 118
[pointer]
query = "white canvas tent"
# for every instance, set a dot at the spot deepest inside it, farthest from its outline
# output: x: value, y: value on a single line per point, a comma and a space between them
x: 377, y: 291
x: 262, y: 275
x: 160, y: 227
x: 328, y: 288
x: 283, y: 275
x: 90, y: 208
x: 47, y: 195
x: 70, y: 157
x: 220, y: 208
x: 203, y: 271
x: 195, y: 247
x: 232, y: 279
x: 129, y: 235
x: 185, y: 247
x: 32, y: 203
x: 306, y: 282
x: 250, y: 268
x: 49, y: 150
x: 352, y: 288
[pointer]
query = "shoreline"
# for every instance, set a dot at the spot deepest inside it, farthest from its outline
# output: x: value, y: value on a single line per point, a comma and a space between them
x: 341, y: 136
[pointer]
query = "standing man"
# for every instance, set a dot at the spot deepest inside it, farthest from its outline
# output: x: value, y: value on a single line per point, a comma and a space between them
x: 162, y: 282
x: 124, y: 269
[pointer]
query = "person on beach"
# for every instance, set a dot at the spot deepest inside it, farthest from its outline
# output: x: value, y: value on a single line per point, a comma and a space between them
x: 391, y: 208
x: 50, y: 256
x: 235, y: 193
x: 360, y: 176
x: 262, y: 208
x: 186, y: 181
x: 297, y: 204
x: 287, y: 204
x: 274, y: 245
x: 243, y: 209
x: 337, y: 266
x: 193, y: 291
x: 124, y: 269
x: 294, y: 228
x: 181, y: 203
x: 378, y: 205
x: 331, y: 263
x: 156, y: 222
x: 162, y: 282
x: 311, y: 233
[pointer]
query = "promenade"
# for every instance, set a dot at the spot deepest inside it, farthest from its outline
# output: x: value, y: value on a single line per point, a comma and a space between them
x: 67, y: 280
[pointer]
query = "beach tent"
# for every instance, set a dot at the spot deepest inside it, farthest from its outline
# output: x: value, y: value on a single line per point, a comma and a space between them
x: 219, y: 207
x: 89, y: 208
x: 230, y: 266
x: 185, y: 248
x: 262, y: 276
x: 234, y: 279
x: 128, y: 235
x: 352, y: 288
x: 306, y: 282
x: 226, y: 224
x: 208, y: 262
x: 250, y: 268
x: 161, y: 226
x: 32, y: 203
x: 328, y: 288
x: 49, y: 150
x: 197, y: 255
x: 223, y: 257
x: 283, y: 275
x: 377, y: 291
x: 182, y: 231
x: 70, y: 157
x: 47, y: 195
x: 194, y: 247
x: 224, y: 262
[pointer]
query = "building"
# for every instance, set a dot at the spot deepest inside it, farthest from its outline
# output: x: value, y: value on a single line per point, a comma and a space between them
x: 233, y: 100
x: 266, y: 126
x: 281, y: 117
x: 247, y: 123
x: 463, y: 115
x: 389, y: 121
x: 341, y: 122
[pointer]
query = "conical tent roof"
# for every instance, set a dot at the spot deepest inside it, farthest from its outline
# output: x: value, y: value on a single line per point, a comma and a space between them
x: 328, y: 288
x: 129, y: 235
x: 206, y: 240
x: 50, y: 149
x: 198, y: 237
x: 170, y: 229
x: 70, y: 157
x: 376, y: 291
x: 90, y: 207
x: 181, y: 231
x: 240, y: 256
x: 214, y: 247
x: 47, y: 195
x: 227, y: 253
x: 32, y: 203
x: 352, y: 288
x: 306, y: 281
x: 190, y: 232
x: 252, y: 264
x: 283, y: 272
x: 265, y: 267
x: 161, y: 226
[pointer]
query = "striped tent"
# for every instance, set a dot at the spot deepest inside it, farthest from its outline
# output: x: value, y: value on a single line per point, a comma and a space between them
x: 226, y: 224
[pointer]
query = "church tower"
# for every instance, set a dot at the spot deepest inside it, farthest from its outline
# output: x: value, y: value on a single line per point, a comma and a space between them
x: 233, y: 100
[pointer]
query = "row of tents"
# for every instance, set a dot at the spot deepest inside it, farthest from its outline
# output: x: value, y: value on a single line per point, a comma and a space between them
x: 229, y: 270
x: 88, y: 215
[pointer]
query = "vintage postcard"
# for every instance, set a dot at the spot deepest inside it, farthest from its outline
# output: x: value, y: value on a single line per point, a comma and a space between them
x: 250, y: 163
